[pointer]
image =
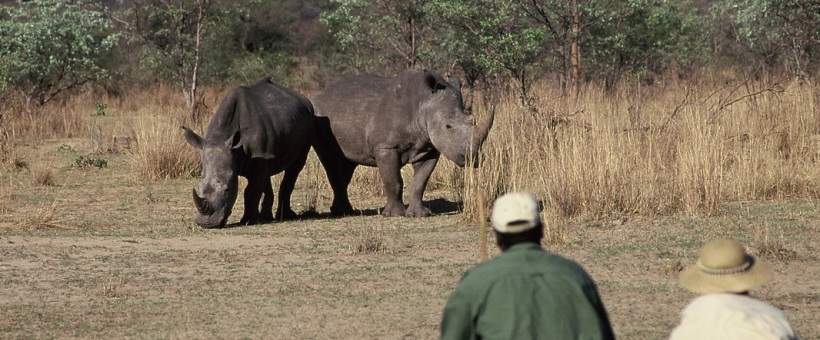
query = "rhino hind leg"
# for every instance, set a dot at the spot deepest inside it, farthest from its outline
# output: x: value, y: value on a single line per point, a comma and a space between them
x: 339, y: 171
x: 340, y: 178
x: 284, y: 210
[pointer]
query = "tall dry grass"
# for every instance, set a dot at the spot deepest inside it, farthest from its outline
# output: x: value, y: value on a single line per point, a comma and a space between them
x: 160, y: 151
x: 670, y: 148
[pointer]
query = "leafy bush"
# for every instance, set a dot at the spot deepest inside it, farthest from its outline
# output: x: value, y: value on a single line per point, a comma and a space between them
x: 48, y: 47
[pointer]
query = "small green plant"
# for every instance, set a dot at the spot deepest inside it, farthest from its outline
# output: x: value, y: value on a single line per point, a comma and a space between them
x: 84, y: 161
x: 65, y: 148
x: 99, y: 109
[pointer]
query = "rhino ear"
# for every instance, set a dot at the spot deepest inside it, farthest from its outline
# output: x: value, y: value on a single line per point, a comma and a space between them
x: 235, y: 142
x: 433, y: 83
x: 192, y: 138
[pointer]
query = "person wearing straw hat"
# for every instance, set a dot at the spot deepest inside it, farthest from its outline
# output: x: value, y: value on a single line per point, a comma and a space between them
x: 525, y: 292
x: 724, y: 274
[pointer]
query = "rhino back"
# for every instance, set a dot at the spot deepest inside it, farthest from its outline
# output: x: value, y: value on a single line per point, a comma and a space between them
x: 274, y: 122
x: 368, y: 112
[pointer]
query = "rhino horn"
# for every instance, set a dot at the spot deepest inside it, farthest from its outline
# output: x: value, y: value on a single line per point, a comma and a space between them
x: 482, y: 131
x: 201, y: 203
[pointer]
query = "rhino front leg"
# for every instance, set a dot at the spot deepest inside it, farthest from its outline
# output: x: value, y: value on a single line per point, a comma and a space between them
x: 421, y: 175
x: 390, y: 171
x: 284, y: 211
x: 252, y: 195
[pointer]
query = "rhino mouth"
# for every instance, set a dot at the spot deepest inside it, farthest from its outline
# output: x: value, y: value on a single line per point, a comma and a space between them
x: 211, y: 221
x: 472, y: 160
x: 208, y: 217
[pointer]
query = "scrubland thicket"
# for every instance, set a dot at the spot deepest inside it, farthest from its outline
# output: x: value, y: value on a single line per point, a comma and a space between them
x: 666, y: 148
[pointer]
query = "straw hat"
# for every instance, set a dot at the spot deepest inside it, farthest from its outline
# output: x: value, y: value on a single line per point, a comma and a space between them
x: 724, y: 266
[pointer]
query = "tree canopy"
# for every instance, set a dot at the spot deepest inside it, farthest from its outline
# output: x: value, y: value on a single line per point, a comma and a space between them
x: 49, y: 47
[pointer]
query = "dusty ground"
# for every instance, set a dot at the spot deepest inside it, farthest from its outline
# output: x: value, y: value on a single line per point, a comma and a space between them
x: 101, y: 255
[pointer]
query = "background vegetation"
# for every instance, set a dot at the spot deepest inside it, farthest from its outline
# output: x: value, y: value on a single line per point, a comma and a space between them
x: 647, y: 127
x: 604, y: 107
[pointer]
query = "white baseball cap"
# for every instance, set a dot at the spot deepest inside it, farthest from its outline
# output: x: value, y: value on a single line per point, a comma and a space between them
x: 515, y: 212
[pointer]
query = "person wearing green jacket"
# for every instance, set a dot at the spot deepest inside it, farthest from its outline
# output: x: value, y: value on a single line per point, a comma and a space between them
x: 525, y: 292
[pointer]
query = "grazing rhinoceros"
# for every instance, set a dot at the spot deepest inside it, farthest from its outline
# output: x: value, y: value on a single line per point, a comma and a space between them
x: 389, y: 122
x: 258, y: 131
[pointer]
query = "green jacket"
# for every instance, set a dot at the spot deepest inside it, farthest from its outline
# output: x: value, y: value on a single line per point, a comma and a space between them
x: 526, y: 293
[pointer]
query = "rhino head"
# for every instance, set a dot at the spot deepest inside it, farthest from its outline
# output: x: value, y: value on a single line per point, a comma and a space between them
x: 453, y: 131
x: 219, y: 185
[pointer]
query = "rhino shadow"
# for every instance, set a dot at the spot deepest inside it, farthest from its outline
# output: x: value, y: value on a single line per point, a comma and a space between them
x: 437, y: 206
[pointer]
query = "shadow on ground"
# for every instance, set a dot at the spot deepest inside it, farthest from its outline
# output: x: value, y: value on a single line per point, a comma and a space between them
x: 438, y: 206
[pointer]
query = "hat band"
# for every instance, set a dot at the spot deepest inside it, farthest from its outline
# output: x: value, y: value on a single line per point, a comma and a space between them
x: 727, y: 271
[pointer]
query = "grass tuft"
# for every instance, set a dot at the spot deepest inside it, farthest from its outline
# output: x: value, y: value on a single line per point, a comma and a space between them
x: 772, y: 247
x: 45, y: 218
x: 161, y: 152
x: 42, y: 177
x: 370, y: 240
x: 113, y: 289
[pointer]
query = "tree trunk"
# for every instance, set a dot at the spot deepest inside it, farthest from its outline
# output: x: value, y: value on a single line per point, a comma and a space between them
x: 575, y: 50
x: 196, y: 101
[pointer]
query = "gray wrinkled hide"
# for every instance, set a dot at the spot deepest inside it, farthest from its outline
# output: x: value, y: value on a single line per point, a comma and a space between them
x: 258, y: 131
x: 390, y: 122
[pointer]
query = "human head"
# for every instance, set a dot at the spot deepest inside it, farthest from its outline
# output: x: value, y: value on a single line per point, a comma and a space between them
x: 724, y: 266
x: 516, y: 218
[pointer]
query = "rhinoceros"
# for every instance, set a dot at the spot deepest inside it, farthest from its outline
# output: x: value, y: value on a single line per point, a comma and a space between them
x: 388, y: 122
x: 258, y: 131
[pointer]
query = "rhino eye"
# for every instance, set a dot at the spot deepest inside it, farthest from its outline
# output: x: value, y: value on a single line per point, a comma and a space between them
x: 448, y: 126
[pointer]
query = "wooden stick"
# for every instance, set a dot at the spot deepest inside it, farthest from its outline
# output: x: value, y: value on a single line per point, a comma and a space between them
x: 482, y: 222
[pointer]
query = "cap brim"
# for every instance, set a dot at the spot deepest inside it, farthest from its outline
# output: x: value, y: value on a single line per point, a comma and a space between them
x: 514, y: 228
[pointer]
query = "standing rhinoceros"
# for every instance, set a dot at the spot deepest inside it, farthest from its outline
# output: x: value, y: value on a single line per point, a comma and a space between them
x: 389, y: 122
x: 258, y: 131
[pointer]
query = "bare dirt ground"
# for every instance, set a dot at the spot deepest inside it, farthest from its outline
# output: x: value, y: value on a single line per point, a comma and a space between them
x: 102, y: 255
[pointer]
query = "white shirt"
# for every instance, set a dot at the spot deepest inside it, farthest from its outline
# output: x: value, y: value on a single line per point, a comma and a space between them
x: 732, y: 316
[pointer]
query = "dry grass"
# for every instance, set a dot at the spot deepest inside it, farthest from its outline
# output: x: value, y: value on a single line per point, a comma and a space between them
x: 45, y: 217
x: 369, y: 239
x: 114, y: 288
x: 669, y: 148
x: 162, y: 153
x: 770, y: 246
x: 42, y: 177
x: 683, y: 148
